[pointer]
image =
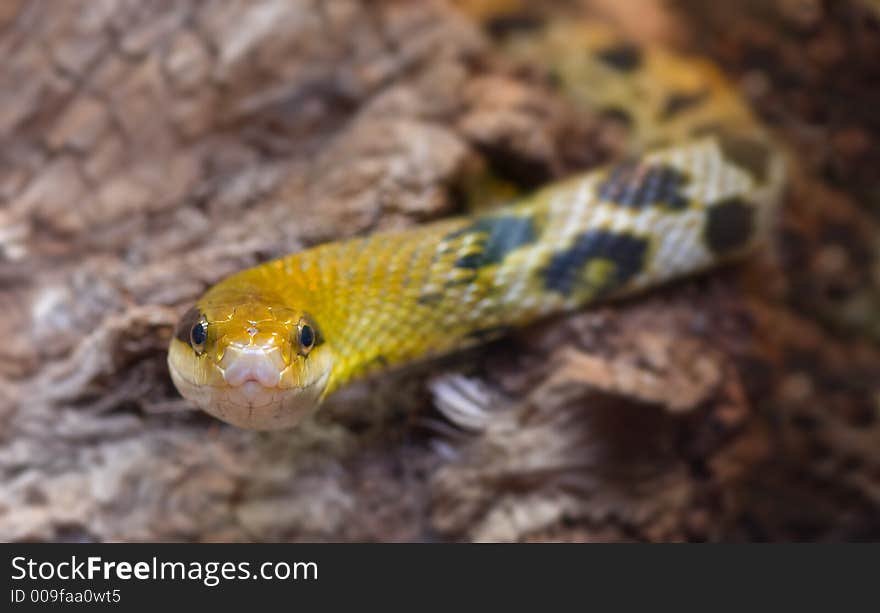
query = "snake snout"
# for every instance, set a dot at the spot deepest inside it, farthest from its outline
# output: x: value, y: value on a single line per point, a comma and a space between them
x: 261, y: 365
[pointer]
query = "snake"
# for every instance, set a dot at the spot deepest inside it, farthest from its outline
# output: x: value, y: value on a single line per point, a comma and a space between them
x: 696, y: 186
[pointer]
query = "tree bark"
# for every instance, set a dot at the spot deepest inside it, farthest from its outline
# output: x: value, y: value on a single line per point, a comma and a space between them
x: 150, y: 149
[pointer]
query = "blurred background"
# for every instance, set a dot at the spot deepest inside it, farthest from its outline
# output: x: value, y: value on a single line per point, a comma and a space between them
x: 149, y: 149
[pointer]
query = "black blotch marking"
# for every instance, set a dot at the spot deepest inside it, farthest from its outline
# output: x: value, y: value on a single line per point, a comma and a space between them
x: 729, y: 225
x: 637, y: 185
x: 681, y: 101
x: 483, y: 335
x: 471, y: 260
x: 749, y: 154
x: 186, y: 323
x: 627, y: 252
x: 624, y: 57
x: 498, y: 237
x: 508, y: 24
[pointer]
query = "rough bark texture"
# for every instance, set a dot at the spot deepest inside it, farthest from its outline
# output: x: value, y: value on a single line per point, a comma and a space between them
x: 149, y: 149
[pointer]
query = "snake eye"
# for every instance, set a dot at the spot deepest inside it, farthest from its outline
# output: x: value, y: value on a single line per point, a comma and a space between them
x: 307, y: 337
x: 198, y: 334
x: 193, y: 330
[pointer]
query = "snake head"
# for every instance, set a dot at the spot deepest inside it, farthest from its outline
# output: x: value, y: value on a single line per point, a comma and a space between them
x: 250, y: 362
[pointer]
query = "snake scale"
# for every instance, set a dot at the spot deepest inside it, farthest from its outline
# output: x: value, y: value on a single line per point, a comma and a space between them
x: 264, y: 347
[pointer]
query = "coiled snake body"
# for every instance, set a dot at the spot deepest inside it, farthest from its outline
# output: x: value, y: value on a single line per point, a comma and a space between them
x: 264, y: 347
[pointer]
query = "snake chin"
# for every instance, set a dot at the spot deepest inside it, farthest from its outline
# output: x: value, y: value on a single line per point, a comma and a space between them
x: 255, y: 407
x: 252, y: 405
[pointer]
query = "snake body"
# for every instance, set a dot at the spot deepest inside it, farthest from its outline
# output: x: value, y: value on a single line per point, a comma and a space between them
x: 263, y: 348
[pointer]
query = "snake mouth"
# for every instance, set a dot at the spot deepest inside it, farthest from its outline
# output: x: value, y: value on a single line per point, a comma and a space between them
x: 251, y: 395
x: 249, y: 391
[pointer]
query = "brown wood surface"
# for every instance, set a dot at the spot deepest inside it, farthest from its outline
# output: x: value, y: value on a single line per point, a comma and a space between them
x: 147, y: 149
